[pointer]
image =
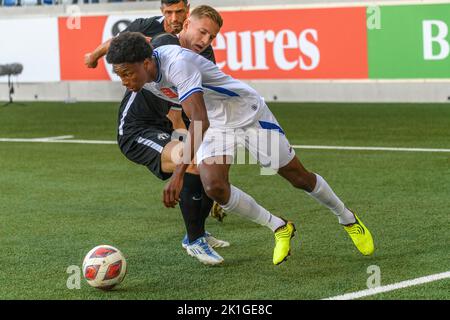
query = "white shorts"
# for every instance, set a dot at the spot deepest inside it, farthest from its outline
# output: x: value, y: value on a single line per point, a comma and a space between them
x: 264, y: 139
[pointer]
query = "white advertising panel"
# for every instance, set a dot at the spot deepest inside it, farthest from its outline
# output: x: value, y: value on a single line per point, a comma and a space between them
x: 34, y: 44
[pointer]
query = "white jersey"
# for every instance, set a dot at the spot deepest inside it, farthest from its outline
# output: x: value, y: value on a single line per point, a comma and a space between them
x: 229, y: 103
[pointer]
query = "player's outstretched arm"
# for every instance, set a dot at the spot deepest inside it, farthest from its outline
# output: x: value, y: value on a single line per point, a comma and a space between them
x: 91, y: 58
x: 195, y: 109
x: 175, y: 116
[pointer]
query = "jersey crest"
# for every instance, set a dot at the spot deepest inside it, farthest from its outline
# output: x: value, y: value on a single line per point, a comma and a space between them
x: 163, y: 136
x: 170, y: 92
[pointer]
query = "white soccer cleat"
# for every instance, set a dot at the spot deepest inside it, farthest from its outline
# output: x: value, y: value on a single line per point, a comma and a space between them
x: 201, y: 250
x: 212, y: 241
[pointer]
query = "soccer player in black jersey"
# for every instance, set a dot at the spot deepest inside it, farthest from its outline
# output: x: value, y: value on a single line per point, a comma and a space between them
x: 146, y: 124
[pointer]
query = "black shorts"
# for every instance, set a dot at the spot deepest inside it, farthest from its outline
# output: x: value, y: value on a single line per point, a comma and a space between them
x: 145, y: 147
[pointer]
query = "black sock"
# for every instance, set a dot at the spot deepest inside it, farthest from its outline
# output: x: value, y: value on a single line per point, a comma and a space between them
x: 207, y: 204
x: 195, y: 206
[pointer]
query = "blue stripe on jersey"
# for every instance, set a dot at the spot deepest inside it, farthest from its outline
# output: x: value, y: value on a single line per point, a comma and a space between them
x: 222, y: 91
x: 187, y: 94
x: 158, y: 62
x: 270, y: 126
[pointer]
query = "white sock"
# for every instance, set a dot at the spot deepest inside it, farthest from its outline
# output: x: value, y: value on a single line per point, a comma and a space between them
x: 325, y: 195
x: 245, y: 206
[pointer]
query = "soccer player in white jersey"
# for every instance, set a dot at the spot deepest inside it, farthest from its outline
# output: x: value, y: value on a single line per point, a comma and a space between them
x: 223, y: 106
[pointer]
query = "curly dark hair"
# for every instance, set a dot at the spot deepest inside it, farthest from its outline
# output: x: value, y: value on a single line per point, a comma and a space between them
x: 129, y: 47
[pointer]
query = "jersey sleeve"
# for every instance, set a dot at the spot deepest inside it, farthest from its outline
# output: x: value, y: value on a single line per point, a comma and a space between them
x: 186, y: 77
x: 147, y: 27
x: 176, y: 107
x: 137, y: 25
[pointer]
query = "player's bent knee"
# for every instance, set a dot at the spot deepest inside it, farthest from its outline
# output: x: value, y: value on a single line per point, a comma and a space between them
x: 300, y: 179
x: 217, y: 190
x: 303, y: 182
x: 171, y: 156
x: 192, y: 169
x: 299, y: 183
x: 298, y: 176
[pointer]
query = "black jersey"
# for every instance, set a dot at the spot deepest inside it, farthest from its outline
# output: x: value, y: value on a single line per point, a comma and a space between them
x: 143, y: 110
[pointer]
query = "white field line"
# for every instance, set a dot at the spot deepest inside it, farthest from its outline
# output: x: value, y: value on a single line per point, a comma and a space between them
x: 369, y: 148
x: 62, y: 139
x: 55, y: 138
x: 391, y: 287
x: 47, y: 140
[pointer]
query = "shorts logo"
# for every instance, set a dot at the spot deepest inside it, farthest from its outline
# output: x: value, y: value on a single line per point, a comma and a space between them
x: 168, y: 92
x: 163, y: 136
x: 254, y: 107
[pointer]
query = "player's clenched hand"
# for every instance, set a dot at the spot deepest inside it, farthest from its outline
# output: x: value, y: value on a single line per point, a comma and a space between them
x: 172, y: 190
x: 89, y: 61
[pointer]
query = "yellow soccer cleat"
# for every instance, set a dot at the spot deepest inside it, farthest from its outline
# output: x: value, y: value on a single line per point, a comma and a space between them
x: 217, y: 212
x: 361, y: 237
x: 283, y: 237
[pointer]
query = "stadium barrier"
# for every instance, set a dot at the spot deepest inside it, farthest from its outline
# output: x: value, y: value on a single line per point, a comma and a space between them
x: 398, y: 51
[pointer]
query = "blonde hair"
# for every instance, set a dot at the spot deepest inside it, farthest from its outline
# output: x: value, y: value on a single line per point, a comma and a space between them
x: 207, y: 12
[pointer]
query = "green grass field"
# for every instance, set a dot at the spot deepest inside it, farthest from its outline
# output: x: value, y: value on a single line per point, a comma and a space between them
x: 57, y: 201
